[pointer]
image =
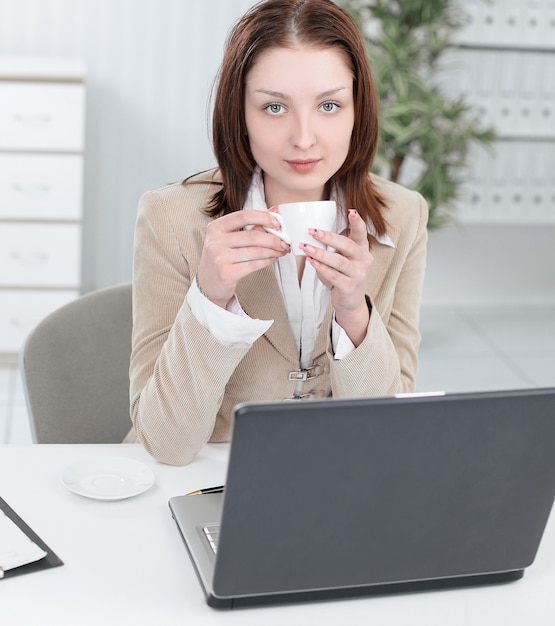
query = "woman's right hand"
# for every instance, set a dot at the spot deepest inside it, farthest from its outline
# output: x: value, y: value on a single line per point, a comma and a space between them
x: 231, y: 253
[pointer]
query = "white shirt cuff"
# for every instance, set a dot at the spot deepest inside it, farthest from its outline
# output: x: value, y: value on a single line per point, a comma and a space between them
x: 232, y: 326
x: 341, y: 344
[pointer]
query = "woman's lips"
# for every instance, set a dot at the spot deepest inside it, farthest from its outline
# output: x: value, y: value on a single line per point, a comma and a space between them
x: 303, y: 166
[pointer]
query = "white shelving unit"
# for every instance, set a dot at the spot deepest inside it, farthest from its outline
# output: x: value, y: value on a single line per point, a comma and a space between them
x: 42, y: 107
x: 505, y: 65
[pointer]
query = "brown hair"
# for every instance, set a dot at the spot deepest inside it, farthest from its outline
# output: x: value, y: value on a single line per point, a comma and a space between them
x: 286, y: 23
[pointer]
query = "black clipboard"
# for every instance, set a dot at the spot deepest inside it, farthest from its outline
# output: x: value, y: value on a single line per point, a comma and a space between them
x: 50, y: 560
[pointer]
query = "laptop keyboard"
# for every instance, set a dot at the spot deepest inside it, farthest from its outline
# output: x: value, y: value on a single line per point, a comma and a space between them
x: 212, y: 534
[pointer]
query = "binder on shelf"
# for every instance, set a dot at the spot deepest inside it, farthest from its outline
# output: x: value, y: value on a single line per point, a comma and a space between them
x: 47, y: 558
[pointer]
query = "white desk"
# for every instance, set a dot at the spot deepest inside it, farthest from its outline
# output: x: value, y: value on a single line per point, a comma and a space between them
x: 125, y: 562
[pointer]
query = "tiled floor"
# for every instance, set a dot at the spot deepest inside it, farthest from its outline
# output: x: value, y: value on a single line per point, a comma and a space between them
x: 483, y: 349
x: 462, y: 350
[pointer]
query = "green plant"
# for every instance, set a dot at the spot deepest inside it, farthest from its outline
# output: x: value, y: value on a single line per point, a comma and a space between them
x: 425, y: 135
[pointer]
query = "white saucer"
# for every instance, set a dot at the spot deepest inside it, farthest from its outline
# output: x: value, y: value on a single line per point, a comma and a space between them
x: 108, y: 478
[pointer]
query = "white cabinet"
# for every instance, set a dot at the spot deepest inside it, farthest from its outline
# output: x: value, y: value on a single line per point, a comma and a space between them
x: 40, y: 255
x: 41, y: 116
x: 42, y: 107
x: 41, y: 186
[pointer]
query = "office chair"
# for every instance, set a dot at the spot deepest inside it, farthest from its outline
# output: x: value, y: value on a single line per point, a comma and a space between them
x: 75, y: 370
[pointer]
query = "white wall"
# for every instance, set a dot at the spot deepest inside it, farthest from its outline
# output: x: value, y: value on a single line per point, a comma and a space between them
x: 150, y: 64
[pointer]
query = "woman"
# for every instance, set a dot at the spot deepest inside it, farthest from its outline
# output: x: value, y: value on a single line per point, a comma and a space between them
x: 224, y: 314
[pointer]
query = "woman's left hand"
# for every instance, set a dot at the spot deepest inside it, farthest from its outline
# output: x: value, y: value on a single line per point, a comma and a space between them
x: 344, y: 273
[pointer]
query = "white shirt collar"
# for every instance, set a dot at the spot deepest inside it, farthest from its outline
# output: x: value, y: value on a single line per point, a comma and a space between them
x: 256, y: 200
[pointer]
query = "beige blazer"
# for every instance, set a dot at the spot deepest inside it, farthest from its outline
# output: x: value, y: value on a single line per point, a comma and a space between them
x: 185, y: 383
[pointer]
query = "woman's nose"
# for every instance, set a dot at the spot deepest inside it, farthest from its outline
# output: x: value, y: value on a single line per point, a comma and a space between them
x: 303, y: 133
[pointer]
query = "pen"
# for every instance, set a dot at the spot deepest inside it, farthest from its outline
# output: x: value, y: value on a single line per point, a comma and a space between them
x: 199, y: 492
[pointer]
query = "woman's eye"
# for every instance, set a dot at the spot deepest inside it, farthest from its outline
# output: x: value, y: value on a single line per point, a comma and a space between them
x: 329, y: 107
x: 274, y: 108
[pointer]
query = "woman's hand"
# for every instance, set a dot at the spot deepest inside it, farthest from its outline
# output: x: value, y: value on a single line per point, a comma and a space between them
x: 231, y: 253
x: 344, y: 273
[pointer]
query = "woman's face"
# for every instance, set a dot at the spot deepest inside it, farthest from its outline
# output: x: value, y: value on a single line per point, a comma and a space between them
x: 299, y: 113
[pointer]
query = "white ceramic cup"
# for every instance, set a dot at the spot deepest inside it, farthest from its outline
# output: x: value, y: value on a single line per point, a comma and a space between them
x: 297, y: 217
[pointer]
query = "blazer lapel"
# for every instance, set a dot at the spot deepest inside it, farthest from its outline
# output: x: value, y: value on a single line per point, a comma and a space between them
x: 260, y: 297
x: 323, y: 337
x: 383, y: 255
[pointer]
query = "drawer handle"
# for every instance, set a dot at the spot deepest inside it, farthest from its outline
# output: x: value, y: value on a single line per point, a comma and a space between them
x: 37, y: 189
x: 32, y: 120
x: 30, y: 258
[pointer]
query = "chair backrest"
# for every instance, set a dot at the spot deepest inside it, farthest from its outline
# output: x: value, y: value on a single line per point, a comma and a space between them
x: 75, y: 370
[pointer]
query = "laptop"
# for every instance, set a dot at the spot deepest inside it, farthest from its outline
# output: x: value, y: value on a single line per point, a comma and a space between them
x: 348, y: 497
